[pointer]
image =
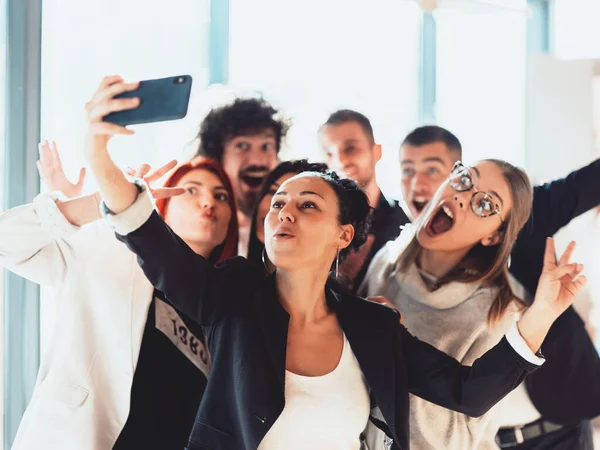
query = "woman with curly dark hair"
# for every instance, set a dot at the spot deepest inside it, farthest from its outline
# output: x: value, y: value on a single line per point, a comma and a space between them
x: 283, y: 172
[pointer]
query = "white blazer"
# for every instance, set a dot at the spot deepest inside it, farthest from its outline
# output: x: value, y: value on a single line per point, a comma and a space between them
x: 82, y: 394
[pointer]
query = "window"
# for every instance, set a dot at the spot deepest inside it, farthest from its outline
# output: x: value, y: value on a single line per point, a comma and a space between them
x: 481, y: 73
x: 310, y: 58
x: 138, y: 39
x: 2, y: 187
x: 575, y: 29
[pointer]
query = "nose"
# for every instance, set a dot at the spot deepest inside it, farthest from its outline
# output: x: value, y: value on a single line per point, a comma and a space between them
x: 259, y: 157
x: 336, y: 159
x: 462, y: 199
x: 286, y: 214
x: 206, y: 200
x: 418, y: 182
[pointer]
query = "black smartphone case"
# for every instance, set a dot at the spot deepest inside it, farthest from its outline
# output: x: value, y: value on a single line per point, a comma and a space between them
x: 161, y: 99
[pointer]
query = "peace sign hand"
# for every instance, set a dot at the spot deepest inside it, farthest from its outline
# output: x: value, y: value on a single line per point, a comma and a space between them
x: 560, y: 281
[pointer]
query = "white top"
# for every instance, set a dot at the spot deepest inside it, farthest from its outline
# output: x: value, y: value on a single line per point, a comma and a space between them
x: 322, y: 413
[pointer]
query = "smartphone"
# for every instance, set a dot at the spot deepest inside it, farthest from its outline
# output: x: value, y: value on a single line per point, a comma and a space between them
x: 161, y: 99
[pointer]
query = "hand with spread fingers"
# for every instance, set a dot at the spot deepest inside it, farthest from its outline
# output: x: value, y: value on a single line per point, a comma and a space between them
x: 560, y: 280
x: 52, y: 174
x: 149, y: 176
x: 559, y: 284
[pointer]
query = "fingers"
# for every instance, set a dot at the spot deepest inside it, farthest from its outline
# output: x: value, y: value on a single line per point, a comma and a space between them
x: 378, y: 299
x: 108, y: 80
x: 570, y: 270
x: 574, y: 286
x: 167, y: 192
x: 41, y: 169
x: 114, y: 90
x: 141, y: 171
x: 98, y: 111
x: 45, y: 153
x: 566, y: 256
x: 81, y: 178
x: 550, y: 254
x: 158, y: 173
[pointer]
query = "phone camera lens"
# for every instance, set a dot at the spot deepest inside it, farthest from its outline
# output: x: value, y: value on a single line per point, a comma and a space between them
x: 180, y: 80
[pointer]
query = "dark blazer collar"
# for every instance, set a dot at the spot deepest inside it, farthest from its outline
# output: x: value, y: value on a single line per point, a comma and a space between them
x: 373, y: 343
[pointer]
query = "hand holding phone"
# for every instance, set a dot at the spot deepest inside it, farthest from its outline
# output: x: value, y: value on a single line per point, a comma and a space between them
x: 160, y: 100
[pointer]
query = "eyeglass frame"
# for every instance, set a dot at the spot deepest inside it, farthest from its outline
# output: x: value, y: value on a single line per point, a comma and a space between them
x: 465, y: 169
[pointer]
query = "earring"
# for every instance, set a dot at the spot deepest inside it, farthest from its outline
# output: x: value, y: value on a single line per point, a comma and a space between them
x: 337, y: 265
x: 264, y: 261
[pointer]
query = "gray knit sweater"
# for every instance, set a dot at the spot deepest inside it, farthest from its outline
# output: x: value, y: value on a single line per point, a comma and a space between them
x: 454, y: 319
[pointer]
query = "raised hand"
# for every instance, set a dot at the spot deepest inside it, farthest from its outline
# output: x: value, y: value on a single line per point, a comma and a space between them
x: 102, y: 104
x: 560, y: 281
x: 148, y: 177
x: 51, y: 171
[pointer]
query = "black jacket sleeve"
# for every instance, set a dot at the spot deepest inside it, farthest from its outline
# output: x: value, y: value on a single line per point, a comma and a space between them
x: 567, y: 388
x: 555, y: 204
x: 441, y: 379
x: 190, y: 282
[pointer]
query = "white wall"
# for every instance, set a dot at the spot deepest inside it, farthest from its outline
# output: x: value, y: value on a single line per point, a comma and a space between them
x: 576, y: 34
x: 313, y: 57
x: 560, y: 117
x: 86, y: 40
x: 560, y: 139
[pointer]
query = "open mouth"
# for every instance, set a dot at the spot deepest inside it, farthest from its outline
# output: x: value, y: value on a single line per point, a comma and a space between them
x: 441, y: 221
x: 419, y: 203
x: 252, y: 181
x: 419, y: 206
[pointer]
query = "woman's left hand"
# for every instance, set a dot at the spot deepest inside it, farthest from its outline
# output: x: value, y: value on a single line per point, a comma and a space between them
x: 560, y: 281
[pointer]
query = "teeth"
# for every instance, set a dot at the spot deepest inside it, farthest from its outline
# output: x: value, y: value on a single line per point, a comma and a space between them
x: 448, y: 211
x: 420, y: 199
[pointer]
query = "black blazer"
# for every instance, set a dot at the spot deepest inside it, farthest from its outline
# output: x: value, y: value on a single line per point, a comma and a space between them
x: 566, y: 389
x: 247, y: 329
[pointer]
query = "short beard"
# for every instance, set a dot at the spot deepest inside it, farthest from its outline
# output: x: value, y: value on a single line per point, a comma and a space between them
x: 246, y: 203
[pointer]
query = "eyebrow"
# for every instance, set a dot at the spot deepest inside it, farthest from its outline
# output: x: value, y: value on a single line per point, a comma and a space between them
x: 302, y: 193
x: 197, y: 183
x: 431, y: 159
x: 494, y: 193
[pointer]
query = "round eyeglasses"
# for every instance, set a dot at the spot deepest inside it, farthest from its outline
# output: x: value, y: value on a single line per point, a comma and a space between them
x: 482, y: 203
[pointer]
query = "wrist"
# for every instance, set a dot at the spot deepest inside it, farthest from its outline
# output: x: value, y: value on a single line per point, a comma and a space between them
x: 96, y: 146
x: 543, y: 313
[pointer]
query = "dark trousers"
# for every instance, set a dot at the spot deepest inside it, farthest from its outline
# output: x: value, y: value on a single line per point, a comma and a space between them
x: 572, y: 437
